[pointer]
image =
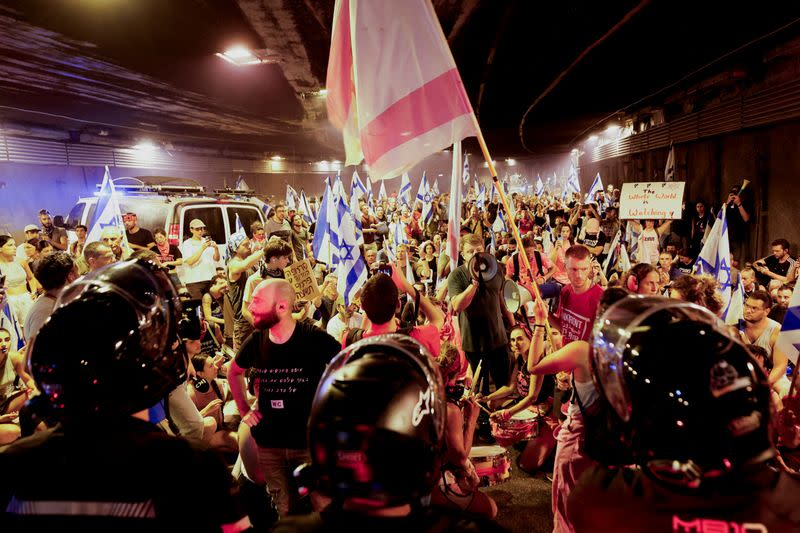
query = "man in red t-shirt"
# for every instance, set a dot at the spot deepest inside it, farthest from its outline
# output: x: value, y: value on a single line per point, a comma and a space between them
x: 579, y: 299
x: 380, y: 300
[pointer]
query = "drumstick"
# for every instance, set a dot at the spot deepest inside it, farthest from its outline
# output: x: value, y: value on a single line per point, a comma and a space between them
x: 488, y: 412
x: 476, y: 377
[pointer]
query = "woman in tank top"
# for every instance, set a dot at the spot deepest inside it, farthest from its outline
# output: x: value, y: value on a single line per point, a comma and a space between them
x: 18, y: 277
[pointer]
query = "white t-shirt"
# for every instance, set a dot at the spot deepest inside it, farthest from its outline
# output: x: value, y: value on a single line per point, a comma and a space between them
x: 648, y: 247
x: 336, y: 327
x: 205, y: 268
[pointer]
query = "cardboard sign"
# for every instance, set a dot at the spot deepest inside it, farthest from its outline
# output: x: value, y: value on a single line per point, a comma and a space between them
x: 300, y: 275
x: 651, y: 200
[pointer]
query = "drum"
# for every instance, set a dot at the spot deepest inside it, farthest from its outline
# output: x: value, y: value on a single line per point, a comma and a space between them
x: 522, y: 426
x: 492, y: 464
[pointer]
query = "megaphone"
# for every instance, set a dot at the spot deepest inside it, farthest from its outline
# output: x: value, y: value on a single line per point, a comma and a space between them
x: 482, y: 267
x: 515, y: 296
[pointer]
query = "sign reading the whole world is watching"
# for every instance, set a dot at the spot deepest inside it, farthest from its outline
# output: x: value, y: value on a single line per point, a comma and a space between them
x: 651, y: 200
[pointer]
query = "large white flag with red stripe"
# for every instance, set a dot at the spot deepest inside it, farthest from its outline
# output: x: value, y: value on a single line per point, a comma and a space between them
x: 393, y: 86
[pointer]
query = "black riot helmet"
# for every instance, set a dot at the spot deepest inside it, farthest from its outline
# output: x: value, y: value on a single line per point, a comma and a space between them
x: 376, y: 429
x: 684, y: 400
x: 111, y: 345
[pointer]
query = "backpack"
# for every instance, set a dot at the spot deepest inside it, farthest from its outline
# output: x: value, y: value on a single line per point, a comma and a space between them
x: 536, y: 255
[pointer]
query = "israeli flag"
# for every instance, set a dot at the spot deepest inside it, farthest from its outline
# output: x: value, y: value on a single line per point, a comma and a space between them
x: 465, y: 174
x: 404, y: 196
x: 481, y: 199
x: 107, y: 213
x: 539, y: 186
x: 572, y: 185
x: 338, y: 191
x: 292, y: 198
x: 427, y: 200
x: 399, y: 235
x: 499, y: 224
x: 632, y: 231
x: 368, y: 185
x: 789, y: 337
x: 352, y: 270
x: 435, y: 188
x: 325, y: 244
x: 669, y: 169
x: 241, y: 185
x: 382, y: 192
x: 714, y: 259
x: 357, y: 187
x: 597, y: 186
x: 355, y: 211
x: 305, y: 208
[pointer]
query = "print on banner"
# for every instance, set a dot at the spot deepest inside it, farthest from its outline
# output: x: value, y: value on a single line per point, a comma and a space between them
x: 651, y: 200
x: 301, y: 277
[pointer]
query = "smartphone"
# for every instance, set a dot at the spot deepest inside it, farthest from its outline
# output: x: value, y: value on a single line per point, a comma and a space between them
x: 385, y: 269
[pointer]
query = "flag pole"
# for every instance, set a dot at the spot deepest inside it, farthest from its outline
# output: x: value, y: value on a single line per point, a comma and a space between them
x: 517, y: 237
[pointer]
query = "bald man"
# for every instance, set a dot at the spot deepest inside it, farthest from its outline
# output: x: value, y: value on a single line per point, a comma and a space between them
x: 286, y: 358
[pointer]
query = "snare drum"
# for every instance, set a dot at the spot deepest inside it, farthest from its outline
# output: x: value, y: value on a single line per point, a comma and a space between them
x: 522, y: 426
x: 492, y: 464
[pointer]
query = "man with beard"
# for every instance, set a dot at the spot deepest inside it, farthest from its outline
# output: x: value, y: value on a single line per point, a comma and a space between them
x: 286, y: 359
x: 760, y: 330
x: 782, y: 300
x: 57, y: 236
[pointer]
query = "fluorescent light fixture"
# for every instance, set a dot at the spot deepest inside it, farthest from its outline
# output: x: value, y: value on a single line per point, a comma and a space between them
x: 612, y: 129
x: 145, y: 146
x: 276, y: 158
x: 241, y: 56
x: 323, y: 92
x: 511, y: 162
x: 592, y: 138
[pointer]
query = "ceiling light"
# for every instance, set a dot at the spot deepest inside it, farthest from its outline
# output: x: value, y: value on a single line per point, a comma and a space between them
x: 511, y: 162
x: 276, y: 158
x: 241, y: 56
x: 592, y: 138
x: 145, y: 146
x: 612, y: 129
x: 323, y: 92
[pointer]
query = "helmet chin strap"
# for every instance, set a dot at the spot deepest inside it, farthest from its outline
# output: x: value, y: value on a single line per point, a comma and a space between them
x: 686, y: 474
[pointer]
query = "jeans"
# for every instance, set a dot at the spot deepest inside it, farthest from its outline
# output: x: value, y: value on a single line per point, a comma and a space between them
x: 277, y: 465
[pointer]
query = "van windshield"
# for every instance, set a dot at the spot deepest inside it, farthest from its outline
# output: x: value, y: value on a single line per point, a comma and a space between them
x: 211, y: 216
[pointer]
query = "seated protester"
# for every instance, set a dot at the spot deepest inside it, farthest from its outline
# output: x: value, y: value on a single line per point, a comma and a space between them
x: 169, y: 255
x: 782, y: 300
x: 16, y: 387
x: 684, y: 262
x: 699, y: 463
x: 541, y: 266
x: 642, y: 279
x: 759, y: 353
x: 277, y: 256
x: 700, y: 290
x: 380, y: 300
x: 749, y: 281
x: 99, y: 387
x: 346, y: 318
x: 458, y: 481
x: 533, y: 393
x: 213, y: 399
x: 760, y: 330
x: 667, y: 271
x: 399, y: 452
x: 54, y: 272
x: 773, y: 270
x: 213, y: 303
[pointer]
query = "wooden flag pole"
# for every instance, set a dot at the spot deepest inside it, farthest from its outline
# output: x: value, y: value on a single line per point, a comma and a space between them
x: 512, y: 223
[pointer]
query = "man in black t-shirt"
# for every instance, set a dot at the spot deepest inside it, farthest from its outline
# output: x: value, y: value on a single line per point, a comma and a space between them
x: 286, y: 359
x: 773, y: 270
x: 594, y: 239
x: 138, y: 238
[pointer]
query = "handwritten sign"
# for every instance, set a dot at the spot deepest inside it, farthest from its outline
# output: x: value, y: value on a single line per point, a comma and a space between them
x: 651, y: 200
x: 301, y: 277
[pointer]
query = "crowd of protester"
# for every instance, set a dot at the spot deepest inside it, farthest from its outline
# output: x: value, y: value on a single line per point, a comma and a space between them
x: 257, y: 341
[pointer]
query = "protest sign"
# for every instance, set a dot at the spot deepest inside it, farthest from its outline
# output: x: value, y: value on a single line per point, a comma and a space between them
x: 651, y: 200
x: 301, y: 277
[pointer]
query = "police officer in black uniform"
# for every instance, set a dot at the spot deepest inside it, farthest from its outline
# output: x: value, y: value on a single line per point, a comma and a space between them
x: 110, y: 351
x: 682, y: 431
x: 375, y: 438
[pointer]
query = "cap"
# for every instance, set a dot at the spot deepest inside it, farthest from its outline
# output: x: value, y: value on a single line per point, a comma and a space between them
x: 197, y: 223
x: 31, y: 227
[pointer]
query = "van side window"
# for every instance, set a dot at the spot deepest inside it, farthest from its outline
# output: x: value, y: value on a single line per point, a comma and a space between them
x: 75, y: 216
x: 247, y: 215
x: 211, y: 217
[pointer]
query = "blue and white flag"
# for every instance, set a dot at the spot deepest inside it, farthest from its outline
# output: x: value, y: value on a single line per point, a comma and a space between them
x: 499, y: 224
x: 357, y: 187
x: 399, y: 235
x: 669, y: 169
x: 493, y: 193
x: 425, y: 196
x: 789, y: 338
x: 454, y: 209
x: 465, y: 174
x: 305, y: 208
x: 325, y: 244
x: 382, y: 192
x: 480, y: 199
x: 338, y: 191
x: 435, y: 188
x: 572, y: 185
x: 632, y: 231
x: 352, y: 270
x: 107, y: 214
x: 368, y: 185
x: 539, y: 186
x: 715, y: 260
x: 355, y: 211
x: 241, y: 185
x: 404, y: 195
x: 237, y: 235
x: 292, y: 198
x: 597, y: 186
